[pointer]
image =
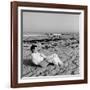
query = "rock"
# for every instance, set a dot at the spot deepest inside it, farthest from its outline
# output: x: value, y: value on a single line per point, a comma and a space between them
x: 52, y: 73
x: 50, y: 67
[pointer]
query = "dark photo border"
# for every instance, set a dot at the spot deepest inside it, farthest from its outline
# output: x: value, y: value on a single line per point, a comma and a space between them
x: 14, y: 43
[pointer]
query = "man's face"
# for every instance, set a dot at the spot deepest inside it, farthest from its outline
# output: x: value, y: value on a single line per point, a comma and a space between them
x: 36, y: 49
x: 39, y: 46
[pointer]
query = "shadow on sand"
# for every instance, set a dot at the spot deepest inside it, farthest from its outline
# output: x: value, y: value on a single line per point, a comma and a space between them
x: 28, y: 62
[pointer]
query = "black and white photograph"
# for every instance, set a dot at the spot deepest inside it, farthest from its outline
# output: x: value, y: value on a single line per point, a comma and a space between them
x: 50, y: 43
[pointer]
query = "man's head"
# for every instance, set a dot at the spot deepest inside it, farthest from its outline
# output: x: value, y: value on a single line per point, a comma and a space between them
x: 33, y: 48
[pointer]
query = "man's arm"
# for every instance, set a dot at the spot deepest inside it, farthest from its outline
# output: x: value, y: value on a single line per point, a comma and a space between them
x: 43, y: 55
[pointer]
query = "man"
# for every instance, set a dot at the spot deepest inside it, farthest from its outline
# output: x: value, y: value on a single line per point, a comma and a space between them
x: 43, y: 60
x: 37, y: 57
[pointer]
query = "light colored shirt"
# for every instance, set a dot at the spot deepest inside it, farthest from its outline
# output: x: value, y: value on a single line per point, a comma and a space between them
x: 37, y: 58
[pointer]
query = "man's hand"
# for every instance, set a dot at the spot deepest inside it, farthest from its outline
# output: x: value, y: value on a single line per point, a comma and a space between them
x: 42, y: 55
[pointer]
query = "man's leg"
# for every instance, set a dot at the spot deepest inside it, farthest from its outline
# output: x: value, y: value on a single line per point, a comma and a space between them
x: 44, y: 63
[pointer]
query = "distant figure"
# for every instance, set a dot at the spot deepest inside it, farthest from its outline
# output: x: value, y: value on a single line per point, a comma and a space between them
x: 38, y: 57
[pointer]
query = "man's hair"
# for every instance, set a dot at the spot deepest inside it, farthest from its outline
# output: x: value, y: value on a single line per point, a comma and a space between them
x: 33, y: 48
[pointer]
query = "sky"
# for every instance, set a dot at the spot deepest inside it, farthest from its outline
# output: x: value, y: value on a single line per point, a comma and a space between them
x: 41, y: 22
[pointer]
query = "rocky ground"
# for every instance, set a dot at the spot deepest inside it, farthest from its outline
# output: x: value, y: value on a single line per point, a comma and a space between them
x: 65, y: 45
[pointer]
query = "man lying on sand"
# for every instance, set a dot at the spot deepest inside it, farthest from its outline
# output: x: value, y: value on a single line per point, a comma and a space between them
x: 38, y: 57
